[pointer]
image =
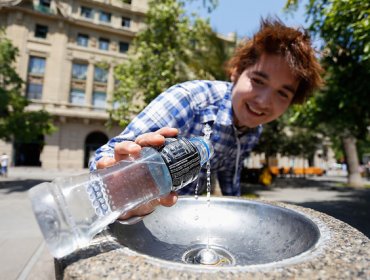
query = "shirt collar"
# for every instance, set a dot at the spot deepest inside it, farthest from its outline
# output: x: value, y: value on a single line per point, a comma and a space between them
x: 225, y: 112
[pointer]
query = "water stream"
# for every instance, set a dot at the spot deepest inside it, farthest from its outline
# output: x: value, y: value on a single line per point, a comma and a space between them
x: 207, y: 256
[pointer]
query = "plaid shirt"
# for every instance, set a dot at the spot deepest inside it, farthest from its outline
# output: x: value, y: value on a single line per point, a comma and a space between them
x: 188, y: 107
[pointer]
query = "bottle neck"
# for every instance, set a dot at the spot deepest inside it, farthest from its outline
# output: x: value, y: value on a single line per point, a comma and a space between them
x: 184, y: 158
x: 204, y: 147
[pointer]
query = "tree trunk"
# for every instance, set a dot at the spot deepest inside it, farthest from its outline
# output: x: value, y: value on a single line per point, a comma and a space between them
x: 353, y: 167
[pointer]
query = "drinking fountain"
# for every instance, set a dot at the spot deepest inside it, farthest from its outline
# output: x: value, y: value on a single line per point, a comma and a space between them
x: 244, y: 238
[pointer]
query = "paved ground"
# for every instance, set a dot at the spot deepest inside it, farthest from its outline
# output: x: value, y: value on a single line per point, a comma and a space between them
x: 23, y: 252
x: 24, y: 256
x: 325, y: 194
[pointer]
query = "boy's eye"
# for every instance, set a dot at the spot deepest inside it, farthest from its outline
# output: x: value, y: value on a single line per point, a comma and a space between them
x: 257, y: 81
x: 283, y: 94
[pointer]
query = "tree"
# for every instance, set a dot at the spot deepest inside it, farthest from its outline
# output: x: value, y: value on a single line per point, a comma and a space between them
x: 172, y: 48
x: 273, y: 139
x: 283, y: 137
x: 15, y: 121
x: 342, y: 105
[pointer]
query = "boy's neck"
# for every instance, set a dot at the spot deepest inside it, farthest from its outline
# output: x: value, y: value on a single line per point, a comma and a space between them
x: 241, y: 130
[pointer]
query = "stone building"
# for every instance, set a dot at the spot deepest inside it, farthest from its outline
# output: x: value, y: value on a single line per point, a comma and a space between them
x: 67, y: 51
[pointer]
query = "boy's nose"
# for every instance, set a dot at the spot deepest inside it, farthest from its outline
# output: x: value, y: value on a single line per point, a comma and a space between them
x: 264, y: 98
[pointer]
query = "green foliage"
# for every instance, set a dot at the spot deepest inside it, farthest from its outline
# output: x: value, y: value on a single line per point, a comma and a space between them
x: 208, y: 53
x: 343, y: 104
x: 280, y: 136
x: 302, y: 142
x: 172, y: 48
x: 273, y: 138
x: 15, y: 121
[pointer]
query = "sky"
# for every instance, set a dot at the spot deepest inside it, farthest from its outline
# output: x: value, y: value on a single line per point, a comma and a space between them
x: 243, y: 16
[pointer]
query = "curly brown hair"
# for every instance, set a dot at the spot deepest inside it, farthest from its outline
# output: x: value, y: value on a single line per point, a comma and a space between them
x: 293, y: 44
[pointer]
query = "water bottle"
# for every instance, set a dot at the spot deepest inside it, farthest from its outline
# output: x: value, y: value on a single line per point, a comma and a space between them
x: 71, y: 211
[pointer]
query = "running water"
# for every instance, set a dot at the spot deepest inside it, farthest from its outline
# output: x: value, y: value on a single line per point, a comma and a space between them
x: 208, y: 200
x: 207, y: 135
x: 207, y: 256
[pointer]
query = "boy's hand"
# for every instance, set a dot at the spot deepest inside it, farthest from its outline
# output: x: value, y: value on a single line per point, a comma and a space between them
x: 123, y: 151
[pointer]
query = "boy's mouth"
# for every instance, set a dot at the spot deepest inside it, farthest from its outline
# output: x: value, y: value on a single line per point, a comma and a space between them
x: 253, y: 110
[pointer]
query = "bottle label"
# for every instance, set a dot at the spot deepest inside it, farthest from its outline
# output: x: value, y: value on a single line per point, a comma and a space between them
x: 183, y: 161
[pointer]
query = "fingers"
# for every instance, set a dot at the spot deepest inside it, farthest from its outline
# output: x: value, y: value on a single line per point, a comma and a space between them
x: 169, y: 200
x: 105, y: 162
x: 167, y: 131
x: 141, y: 210
x: 123, y: 149
x: 156, y: 138
x: 150, y: 139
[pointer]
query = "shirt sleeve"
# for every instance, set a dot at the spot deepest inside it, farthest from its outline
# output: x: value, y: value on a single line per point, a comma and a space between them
x: 172, y: 108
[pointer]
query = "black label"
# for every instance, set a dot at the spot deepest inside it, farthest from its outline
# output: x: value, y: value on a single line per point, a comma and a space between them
x: 183, y: 161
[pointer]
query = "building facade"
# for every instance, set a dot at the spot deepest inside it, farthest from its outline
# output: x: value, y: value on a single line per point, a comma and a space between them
x: 67, y: 53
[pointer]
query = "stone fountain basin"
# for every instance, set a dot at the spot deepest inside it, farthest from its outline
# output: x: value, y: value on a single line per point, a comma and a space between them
x: 337, y: 250
x: 245, y: 232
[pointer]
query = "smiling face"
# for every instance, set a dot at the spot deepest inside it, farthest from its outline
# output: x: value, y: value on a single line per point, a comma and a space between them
x: 263, y: 92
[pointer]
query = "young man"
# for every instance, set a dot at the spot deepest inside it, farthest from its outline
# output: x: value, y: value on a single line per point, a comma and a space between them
x: 273, y: 70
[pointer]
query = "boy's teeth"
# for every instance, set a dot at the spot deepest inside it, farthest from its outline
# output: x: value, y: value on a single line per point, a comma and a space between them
x: 254, y: 111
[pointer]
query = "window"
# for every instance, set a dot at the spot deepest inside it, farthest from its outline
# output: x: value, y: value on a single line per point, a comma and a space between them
x: 41, y: 31
x: 127, y: 1
x: 100, y: 75
x: 36, y: 70
x: 126, y: 22
x: 103, y: 44
x: 36, y: 65
x: 34, y: 90
x: 83, y: 40
x: 79, y: 71
x: 45, y: 3
x: 123, y: 47
x: 104, y: 16
x: 77, y: 97
x: 43, y: 6
x: 87, y: 12
x: 99, y: 99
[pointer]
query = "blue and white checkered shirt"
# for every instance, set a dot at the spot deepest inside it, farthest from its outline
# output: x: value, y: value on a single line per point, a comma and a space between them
x: 188, y: 107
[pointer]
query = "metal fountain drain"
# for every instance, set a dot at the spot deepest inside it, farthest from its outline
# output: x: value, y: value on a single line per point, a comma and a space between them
x: 215, y: 256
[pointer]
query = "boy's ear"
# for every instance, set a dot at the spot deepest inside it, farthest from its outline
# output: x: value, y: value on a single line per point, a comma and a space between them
x: 234, y: 75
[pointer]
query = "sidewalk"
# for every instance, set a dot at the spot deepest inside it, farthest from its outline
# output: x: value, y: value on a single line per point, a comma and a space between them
x: 23, y: 251
x: 325, y: 194
x: 24, y: 255
x: 37, y: 173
